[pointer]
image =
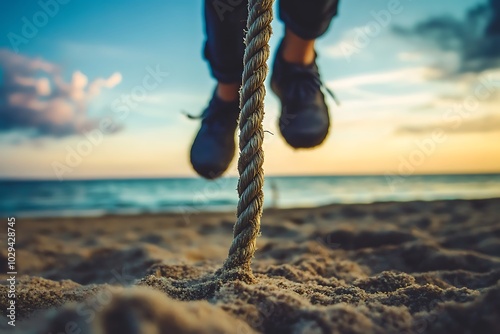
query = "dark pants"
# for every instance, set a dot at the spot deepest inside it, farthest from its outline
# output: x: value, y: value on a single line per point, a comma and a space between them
x: 226, y: 20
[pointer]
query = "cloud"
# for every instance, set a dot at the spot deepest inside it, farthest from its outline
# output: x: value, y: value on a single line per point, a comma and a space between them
x: 96, y: 86
x: 487, y: 123
x: 409, y: 56
x: 35, y: 98
x: 465, y: 57
x: 398, y: 76
x: 467, y: 46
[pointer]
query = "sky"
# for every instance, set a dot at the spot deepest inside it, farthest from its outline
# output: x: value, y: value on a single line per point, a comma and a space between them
x: 93, y: 89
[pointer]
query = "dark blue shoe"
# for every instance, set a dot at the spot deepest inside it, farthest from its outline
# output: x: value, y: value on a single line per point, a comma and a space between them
x: 213, y: 148
x: 304, y: 121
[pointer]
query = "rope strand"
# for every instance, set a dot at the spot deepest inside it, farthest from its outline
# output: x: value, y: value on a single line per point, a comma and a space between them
x: 252, y: 94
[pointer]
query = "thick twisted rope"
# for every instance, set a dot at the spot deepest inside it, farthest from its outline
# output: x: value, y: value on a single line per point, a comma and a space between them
x: 251, y: 196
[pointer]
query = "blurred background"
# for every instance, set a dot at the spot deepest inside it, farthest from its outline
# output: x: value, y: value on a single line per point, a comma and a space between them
x: 92, y: 96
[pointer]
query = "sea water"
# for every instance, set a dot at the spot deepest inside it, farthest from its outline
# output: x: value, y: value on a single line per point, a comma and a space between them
x: 133, y: 196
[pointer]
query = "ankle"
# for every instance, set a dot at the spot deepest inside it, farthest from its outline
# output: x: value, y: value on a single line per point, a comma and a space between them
x: 228, y: 92
x: 296, y: 50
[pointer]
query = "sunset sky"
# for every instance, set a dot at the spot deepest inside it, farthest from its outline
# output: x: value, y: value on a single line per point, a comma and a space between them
x: 419, y: 89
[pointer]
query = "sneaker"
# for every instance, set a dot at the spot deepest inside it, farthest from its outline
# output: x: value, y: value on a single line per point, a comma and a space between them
x: 214, y: 146
x: 304, y: 121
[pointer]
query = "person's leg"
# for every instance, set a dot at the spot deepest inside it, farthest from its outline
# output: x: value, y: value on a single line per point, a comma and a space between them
x: 304, y: 120
x: 225, y: 22
x: 297, y: 50
x: 214, y: 146
x: 307, y: 19
x: 304, y: 23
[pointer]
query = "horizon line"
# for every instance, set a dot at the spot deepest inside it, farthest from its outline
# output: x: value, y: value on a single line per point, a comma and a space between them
x: 180, y: 177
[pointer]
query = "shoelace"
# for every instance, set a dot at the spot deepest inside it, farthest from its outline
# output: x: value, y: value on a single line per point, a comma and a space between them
x: 330, y: 92
x: 202, y: 115
x: 218, y: 121
x: 309, y: 85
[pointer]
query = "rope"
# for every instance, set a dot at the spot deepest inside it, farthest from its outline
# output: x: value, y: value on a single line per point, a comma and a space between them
x: 252, y: 93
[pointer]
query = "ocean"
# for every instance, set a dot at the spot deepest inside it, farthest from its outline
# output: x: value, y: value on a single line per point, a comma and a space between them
x: 185, y: 195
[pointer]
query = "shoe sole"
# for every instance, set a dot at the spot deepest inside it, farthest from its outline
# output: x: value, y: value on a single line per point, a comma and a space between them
x: 305, y: 139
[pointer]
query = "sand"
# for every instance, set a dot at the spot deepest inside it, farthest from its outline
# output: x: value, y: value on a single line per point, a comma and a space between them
x: 415, y: 267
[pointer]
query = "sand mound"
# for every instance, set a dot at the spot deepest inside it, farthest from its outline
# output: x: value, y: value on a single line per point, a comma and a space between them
x: 142, y: 310
x: 417, y: 267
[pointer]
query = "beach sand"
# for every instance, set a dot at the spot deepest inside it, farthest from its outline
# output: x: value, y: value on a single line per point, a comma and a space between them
x: 414, y: 267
